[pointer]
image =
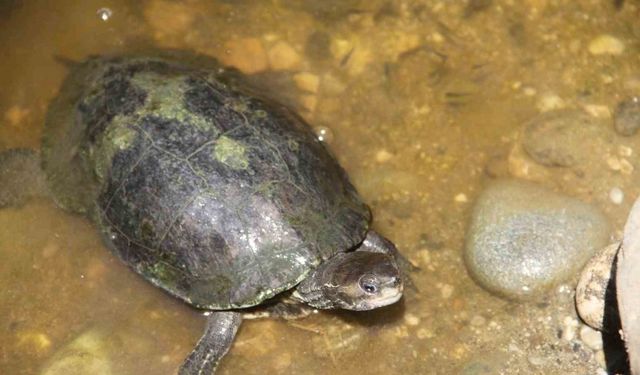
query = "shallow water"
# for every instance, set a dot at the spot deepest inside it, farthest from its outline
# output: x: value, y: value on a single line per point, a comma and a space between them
x: 422, y: 100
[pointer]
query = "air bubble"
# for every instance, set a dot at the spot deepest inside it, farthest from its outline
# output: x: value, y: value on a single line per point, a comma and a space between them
x: 104, y: 14
x: 323, y: 134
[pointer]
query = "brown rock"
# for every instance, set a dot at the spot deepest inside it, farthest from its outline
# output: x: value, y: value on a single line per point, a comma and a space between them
x: 246, y: 54
x: 283, y: 57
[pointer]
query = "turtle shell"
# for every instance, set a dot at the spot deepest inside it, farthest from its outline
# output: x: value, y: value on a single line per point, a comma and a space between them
x: 221, y: 198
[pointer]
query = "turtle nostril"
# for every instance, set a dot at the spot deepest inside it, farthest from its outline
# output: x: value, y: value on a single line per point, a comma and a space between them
x: 396, y: 281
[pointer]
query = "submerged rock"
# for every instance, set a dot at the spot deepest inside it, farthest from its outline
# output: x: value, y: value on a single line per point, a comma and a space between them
x: 563, y: 138
x: 84, y: 355
x: 524, y: 238
x: 627, y: 117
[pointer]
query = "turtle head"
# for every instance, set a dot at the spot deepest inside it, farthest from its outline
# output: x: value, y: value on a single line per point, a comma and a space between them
x: 357, y: 280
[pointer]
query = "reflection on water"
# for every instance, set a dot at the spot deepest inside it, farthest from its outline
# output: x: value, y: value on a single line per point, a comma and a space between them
x: 420, y: 101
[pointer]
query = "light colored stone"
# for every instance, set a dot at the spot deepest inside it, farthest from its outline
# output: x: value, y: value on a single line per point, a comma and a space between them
x: 598, y: 110
x: 614, y: 163
x: 425, y: 257
x: 446, y: 290
x: 383, y: 156
x: 424, y: 333
x: 246, y: 54
x: 411, y: 319
x: 307, y: 81
x: 569, y: 326
x: 37, y: 342
x: 282, y: 56
x: 591, y: 337
x: 84, y: 355
x: 606, y: 44
x: 616, y: 195
x: 340, y: 48
x: 478, y: 321
x: 16, y: 115
x: 626, y: 167
x: 521, y: 165
x: 309, y: 102
x: 461, y: 198
x: 169, y: 18
x: 592, y: 286
x: 549, y: 102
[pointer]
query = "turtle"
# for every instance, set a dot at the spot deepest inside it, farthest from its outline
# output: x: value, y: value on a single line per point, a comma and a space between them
x: 213, y: 192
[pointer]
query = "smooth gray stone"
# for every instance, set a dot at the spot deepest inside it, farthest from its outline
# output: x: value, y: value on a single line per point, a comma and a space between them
x: 524, y: 238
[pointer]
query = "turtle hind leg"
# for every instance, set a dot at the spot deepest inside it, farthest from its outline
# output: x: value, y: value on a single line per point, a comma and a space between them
x: 21, y: 177
x: 218, y: 336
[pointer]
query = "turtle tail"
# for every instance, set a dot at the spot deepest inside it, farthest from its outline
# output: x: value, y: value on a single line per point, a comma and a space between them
x: 21, y: 177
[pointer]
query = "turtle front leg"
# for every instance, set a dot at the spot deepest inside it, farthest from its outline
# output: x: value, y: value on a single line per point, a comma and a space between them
x: 219, y: 333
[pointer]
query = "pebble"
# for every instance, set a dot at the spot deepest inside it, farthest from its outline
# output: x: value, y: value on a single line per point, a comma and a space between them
x: 37, y: 342
x: 307, y: 81
x: 550, y: 102
x: 616, y: 195
x: 606, y: 44
x: 84, y: 355
x: 341, y: 48
x: 478, y: 321
x: 569, y: 326
x: 425, y: 257
x: 625, y: 150
x: 620, y: 165
x: 15, y: 115
x: 536, y: 360
x: 424, y: 333
x: 383, y: 156
x: 598, y: 110
x: 600, y: 359
x: 627, y: 117
x: 524, y: 238
x: 446, y: 290
x: 246, y: 54
x: 309, y: 102
x: 561, y: 138
x: 169, y: 18
x: 591, y: 337
x: 461, y: 198
x: 411, y: 319
x: 521, y: 165
x: 592, y: 287
x: 282, y: 56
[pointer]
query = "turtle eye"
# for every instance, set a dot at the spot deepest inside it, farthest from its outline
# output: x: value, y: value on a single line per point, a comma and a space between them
x: 369, y: 284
